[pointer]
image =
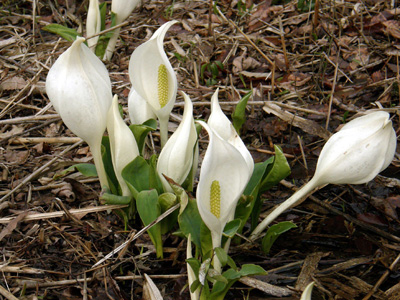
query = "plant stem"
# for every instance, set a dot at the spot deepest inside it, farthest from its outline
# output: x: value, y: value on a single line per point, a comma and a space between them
x: 95, y: 148
x: 163, y: 130
x: 295, y: 199
x: 111, y: 44
x: 216, y: 242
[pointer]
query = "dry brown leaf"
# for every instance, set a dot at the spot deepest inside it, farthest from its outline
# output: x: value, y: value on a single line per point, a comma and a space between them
x: 15, y: 129
x: 392, y: 28
x: 13, y: 83
x: 12, y: 225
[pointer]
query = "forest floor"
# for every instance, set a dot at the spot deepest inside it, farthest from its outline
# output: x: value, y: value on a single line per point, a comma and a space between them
x: 312, y: 65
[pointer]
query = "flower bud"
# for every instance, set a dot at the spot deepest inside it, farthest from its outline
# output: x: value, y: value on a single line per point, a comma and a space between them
x: 79, y: 88
x: 93, y: 23
x: 176, y: 158
x: 123, y: 145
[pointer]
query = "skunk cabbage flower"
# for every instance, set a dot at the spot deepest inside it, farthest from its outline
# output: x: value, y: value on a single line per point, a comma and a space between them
x: 79, y: 88
x: 138, y: 108
x: 176, y: 158
x: 356, y: 154
x: 224, y: 175
x: 220, y: 123
x: 153, y: 78
x: 122, y: 9
x: 123, y: 145
x: 93, y: 23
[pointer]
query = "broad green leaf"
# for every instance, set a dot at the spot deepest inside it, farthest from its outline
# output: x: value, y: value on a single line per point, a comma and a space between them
x: 280, y: 169
x: 88, y: 170
x: 222, y: 256
x: 67, y: 33
x: 141, y: 131
x: 195, y: 285
x: 205, y: 240
x: 154, y: 179
x: 103, y: 11
x: 195, y: 264
x: 273, y: 233
x: 104, y: 38
x: 251, y: 269
x: 274, y: 173
x: 166, y: 201
x: 231, y: 228
x: 239, y: 115
x: 136, y: 176
x: 149, y: 210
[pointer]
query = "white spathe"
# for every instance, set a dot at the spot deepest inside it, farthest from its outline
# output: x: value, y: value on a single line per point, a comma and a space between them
x: 138, y: 108
x: 79, y: 87
x: 123, y: 145
x: 176, y: 158
x: 93, y: 23
x: 144, y: 69
x: 220, y: 123
x: 354, y: 155
x: 223, y: 163
x: 122, y: 9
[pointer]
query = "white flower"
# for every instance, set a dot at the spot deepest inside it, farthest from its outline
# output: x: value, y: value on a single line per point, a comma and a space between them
x: 153, y: 78
x: 79, y: 88
x: 223, y: 178
x: 356, y: 154
x: 306, y: 295
x: 93, y: 23
x: 176, y: 158
x: 220, y: 123
x: 122, y: 9
x: 123, y: 145
x: 138, y: 108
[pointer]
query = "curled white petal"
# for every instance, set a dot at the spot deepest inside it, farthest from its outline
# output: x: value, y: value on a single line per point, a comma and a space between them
x: 176, y: 158
x: 306, y: 295
x: 220, y: 123
x: 123, y: 145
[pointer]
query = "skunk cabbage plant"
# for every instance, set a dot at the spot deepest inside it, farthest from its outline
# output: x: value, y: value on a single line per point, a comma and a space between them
x: 123, y: 145
x: 79, y: 88
x: 356, y: 154
x: 224, y: 175
x: 153, y: 78
x: 176, y: 158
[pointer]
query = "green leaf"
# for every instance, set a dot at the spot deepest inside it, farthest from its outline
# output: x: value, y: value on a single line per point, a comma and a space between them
x: 275, y: 172
x: 239, y: 115
x: 88, y: 170
x: 231, y: 228
x: 195, y: 264
x: 103, y: 11
x: 251, y: 269
x: 108, y: 166
x: 136, y: 175
x: 141, y: 131
x: 166, y: 201
x: 115, y: 199
x: 149, y: 210
x: 154, y: 179
x: 67, y: 33
x: 273, y: 233
x: 222, y: 256
x: 195, y: 285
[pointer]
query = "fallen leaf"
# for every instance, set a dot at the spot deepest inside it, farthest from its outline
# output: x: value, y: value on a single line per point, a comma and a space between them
x: 392, y: 28
x: 150, y: 290
x: 12, y: 225
x: 13, y: 83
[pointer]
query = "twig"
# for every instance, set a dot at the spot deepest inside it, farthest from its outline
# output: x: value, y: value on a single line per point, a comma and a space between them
x: 58, y: 214
x: 7, y: 294
x: 333, y: 91
x: 48, y: 140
